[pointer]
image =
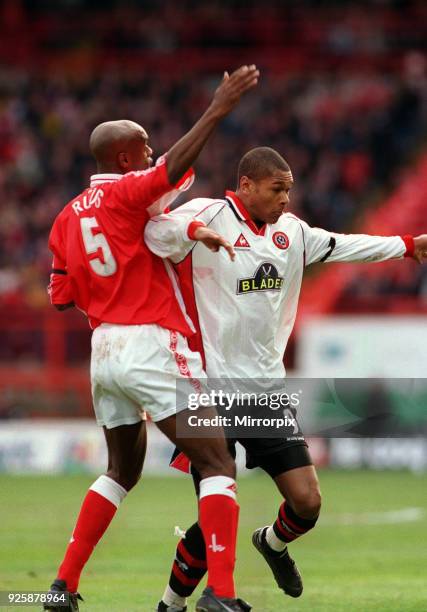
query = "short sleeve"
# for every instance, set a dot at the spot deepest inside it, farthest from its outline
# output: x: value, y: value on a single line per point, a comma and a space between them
x: 59, y: 288
x: 138, y: 191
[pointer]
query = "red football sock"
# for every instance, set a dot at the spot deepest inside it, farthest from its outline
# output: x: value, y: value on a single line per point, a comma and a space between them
x: 218, y: 518
x: 96, y: 513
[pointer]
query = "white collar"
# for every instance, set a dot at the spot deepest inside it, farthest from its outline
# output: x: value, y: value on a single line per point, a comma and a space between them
x: 97, y: 179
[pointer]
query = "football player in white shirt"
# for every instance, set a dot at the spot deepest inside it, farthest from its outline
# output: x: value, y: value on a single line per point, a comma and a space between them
x: 244, y: 313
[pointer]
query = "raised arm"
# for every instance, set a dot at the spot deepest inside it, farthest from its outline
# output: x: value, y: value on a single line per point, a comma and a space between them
x: 182, y: 155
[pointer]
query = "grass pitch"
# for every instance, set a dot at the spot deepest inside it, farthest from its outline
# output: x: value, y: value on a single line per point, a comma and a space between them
x: 368, y: 551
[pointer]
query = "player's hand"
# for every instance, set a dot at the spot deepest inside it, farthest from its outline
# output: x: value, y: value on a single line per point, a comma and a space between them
x: 420, y: 250
x: 232, y: 87
x: 213, y: 241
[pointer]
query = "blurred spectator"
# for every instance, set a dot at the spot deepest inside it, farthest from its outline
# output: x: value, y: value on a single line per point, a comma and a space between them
x: 344, y: 132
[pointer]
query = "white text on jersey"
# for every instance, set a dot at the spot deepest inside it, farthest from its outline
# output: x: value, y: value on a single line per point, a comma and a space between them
x: 93, y: 197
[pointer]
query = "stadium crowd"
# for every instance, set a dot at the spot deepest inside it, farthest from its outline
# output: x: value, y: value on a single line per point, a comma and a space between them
x: 340, y: 26
x: 344, y: 136
x: 344, y: 127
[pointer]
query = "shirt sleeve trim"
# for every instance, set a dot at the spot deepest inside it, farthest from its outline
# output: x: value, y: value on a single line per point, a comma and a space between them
x: 192, y: 227
x: 410, y: 245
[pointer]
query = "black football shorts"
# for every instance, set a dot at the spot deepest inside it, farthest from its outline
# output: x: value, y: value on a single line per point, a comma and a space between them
x: 273, y: 455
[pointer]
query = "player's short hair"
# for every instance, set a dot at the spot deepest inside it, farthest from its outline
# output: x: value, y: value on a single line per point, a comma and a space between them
x: 260, y: 163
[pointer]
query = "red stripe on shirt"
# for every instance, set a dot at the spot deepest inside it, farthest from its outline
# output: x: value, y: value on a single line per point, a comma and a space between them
x: 185, y: 275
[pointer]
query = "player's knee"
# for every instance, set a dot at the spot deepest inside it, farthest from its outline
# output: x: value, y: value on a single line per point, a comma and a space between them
x: 308, y: 504
x: 216, y: 464
x: 125, y: 478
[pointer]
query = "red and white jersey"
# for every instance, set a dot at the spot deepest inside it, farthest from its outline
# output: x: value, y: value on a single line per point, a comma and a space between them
x: 245, y: 310
x: 100, y: 260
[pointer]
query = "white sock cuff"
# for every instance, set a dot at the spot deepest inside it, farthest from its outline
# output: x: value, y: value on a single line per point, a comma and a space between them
x: 170, y: 598
x: 110, y: 489
x: 218, y: 485
x: 273, y: 541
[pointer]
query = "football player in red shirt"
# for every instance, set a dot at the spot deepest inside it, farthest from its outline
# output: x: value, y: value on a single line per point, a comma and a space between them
x: 102, y: 266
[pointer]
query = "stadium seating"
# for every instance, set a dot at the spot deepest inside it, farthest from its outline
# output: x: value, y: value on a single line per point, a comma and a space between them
x: 394, y: 286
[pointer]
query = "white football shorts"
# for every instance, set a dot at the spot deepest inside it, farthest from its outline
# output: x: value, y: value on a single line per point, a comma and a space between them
x: 134, y: 368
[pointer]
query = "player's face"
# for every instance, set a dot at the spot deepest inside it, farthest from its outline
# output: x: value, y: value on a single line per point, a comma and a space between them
x: 139, y: 152
x: 267, y: 198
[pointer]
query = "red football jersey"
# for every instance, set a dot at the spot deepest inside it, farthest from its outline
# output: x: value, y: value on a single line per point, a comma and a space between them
x: 101, y: 262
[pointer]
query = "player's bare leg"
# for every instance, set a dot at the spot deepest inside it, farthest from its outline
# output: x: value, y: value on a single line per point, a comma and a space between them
x: 297, y: 515
x: 126, y: 446
x: 218, y: 513
x: 126, y: 452
x: 300, y: 487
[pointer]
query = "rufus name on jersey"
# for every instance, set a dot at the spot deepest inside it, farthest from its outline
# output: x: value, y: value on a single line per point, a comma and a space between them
x: 266, y: 278
x: 92, y: 197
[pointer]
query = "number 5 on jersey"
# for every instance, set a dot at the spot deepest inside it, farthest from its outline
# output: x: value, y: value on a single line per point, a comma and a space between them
x: 96, y: 243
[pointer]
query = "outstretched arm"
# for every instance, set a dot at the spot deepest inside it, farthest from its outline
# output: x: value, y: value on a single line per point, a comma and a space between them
x: 323, y: 246
x: 182, y: 155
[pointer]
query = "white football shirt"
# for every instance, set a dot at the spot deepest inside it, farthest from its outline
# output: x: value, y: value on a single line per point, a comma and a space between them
x: 245, y: 310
